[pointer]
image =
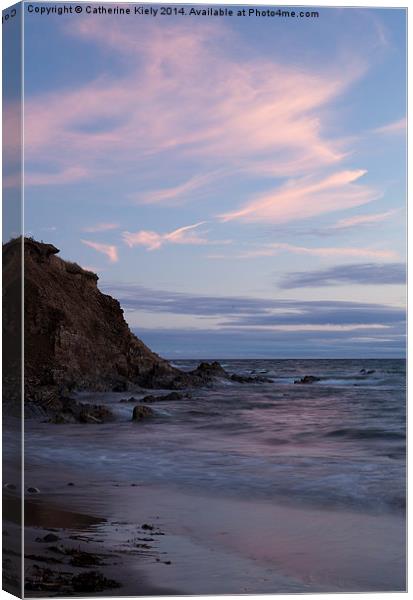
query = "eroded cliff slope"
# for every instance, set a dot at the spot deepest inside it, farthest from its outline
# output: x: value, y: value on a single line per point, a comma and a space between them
x: 75, y: 337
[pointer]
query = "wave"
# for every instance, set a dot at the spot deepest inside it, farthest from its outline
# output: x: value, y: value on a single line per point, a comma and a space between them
x: 368, y: 433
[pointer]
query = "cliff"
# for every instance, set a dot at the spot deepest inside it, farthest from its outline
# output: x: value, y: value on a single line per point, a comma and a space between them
x: 75, y: 337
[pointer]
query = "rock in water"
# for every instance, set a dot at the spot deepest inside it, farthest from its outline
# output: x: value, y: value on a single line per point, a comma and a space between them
x: 307, y: 379
x: 213, y: 369
x: 141, y: 412
x: 172, y: 397
x: 205, y: 374
x: 76, y: 337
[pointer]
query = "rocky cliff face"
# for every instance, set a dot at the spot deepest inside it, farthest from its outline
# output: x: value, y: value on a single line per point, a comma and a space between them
x: 75, y: 337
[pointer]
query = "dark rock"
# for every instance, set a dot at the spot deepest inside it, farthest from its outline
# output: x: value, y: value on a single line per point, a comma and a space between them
x: 213, y: 369
x: 92, y: 581
x: 63, y: 418
x: 40, y: 579
x: 33, y: 490
x: 131, y: 399
x: 120, y: 386
x: 49, y: 538
x: 308, y: 379
x: 56, y: 549
x: 249, y: 379
x: 172, y: 397
x: 94, y: 414
x: 146, y: 526
x: 205, y: 374
x: 46, y: 559
x: 78, y: 412
x: 83, y: 559
x: 242, y: 378
x: 141, y: 412
x: 150, y: 399
x: 159, y: 377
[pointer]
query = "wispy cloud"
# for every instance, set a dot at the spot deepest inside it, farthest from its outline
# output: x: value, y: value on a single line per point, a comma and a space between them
x: 359, y: 274
x: 301, y: 199
x: 369, y: 219
x: 177, y: 193
x: 323, y: 252
x: 100, y: 227
x: 153, y: 241
x: 336, y: 251
x: 110, y: 251
x: 236, y: 112
x: 239, y: 119
x: 393, y: 128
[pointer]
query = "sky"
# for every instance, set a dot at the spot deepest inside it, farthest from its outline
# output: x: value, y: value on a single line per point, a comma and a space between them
x: 237, y: 183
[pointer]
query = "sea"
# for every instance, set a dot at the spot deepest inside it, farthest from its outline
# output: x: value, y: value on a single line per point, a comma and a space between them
x: 337, y: 443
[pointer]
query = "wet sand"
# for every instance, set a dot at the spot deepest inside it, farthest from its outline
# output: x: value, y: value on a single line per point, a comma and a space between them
x: 157, y: 541
x: 62, y: 544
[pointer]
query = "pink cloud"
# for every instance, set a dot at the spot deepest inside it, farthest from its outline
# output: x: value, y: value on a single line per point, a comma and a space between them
x: 174, y: 194
x: 370, y: 219
x: 242, y: 113
x: 301, y: 199
x: 323, y: 252
x: 396, y: 127
x: 12, y: 131
x: 334, y: 251
x: 153, y: 241
x: 110, y: 251
x: 239, y: 118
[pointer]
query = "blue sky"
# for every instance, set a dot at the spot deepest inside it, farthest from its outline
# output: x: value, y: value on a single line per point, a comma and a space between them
x: 238, y: 183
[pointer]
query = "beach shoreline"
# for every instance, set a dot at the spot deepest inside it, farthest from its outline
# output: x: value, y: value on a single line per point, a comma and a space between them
x: 155, y: 541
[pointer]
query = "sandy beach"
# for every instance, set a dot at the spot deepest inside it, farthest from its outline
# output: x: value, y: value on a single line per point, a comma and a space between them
x: 149, y: 540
